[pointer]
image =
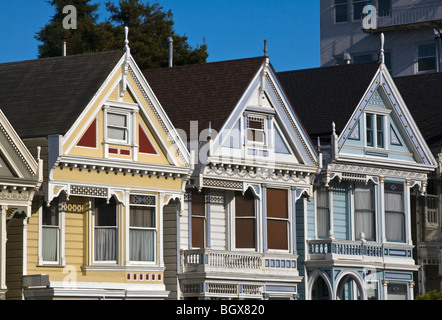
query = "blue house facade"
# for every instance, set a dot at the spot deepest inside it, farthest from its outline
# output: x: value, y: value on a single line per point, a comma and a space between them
x: 355, y: 231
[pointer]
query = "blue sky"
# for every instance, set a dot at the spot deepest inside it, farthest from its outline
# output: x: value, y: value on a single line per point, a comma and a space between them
x: 232, y: 29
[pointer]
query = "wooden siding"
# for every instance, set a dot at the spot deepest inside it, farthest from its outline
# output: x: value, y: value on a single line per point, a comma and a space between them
x: 14, y: 261
x: 170, y: 249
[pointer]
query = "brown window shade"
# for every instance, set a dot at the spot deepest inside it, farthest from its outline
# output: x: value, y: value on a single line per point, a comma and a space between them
x: 198, y: 232
x: 277, y: 237
x: 277, y: 219
x: 245, y: 220
x: 277, y: 204
x: 198, y: 220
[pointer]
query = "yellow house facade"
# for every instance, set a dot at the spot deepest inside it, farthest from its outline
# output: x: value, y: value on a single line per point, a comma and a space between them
x: 96, y: 227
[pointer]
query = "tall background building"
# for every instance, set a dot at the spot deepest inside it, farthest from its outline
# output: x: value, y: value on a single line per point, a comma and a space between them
x: 412, y: 34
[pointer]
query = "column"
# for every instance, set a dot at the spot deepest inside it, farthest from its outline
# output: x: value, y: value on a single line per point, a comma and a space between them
x: 3, y: 239
x: 385, y: 289
x: 382, y: 208
x: 408, y: 212
x: 295, y: 251
x: 264, y: 217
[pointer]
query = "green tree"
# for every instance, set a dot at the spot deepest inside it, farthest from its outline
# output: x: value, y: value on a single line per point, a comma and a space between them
x: 432, y: 295
x: 149, y: 29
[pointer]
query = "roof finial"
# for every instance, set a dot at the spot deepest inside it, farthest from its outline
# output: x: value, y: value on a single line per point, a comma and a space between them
x: 382, y: 48
x: 265, y: 48
x: 126, y: 40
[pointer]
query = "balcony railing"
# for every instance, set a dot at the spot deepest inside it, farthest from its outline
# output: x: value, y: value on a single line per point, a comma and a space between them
x: 411, y: 15
x: 207, y: 260
x: 332, y: 249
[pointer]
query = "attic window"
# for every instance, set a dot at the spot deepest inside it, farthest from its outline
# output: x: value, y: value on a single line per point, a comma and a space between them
x: 256, y: 129
x: 117, y: 126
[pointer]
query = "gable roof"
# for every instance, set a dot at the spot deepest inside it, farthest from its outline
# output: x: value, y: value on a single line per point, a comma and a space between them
x: 324, y: 95
x: 45, y: 96
x: 423, y: 96
x: 202, y: 92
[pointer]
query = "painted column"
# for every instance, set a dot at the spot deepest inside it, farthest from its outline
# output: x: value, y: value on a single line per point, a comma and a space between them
x: 189, y: 220
x: 385, y: 289
x: 408, y: 212
x: 382, y: 207
x: 264, y: 217
x: 3, y: 239
x: 295, y: 251
x: 208, y: 221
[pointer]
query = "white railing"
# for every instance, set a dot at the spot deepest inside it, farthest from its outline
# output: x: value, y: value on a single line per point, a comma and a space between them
x: 239, y: 261
x: 331, y: 249
x: 404, y: 15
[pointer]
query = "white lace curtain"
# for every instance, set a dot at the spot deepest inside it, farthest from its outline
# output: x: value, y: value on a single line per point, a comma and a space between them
x: 394, y: 216
x: 364, y: 213
x: 322, y: 213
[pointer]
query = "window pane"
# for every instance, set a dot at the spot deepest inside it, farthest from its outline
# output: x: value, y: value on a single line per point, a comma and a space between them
x: 397, y: 291
x: 245, y: 204
x: 117, y: 120
x: 105, y: 214
x: 50, y: 244
x: 105, y: 244
x: 277, y: 231
x: 142, y: 245
x: 142, y: 217
x: 50, y: 215
x: 245, y: 233
x: 364, y: 222
x: 277, y: 203
x: 363, y: 197
x: 384, y: 8
x: 198, y: 204
x: 427, y: 64
x: 323, y: 222
x: 198, y: 232
x: 394, y: 202
x: 116, y: 133
x: 341, y: 11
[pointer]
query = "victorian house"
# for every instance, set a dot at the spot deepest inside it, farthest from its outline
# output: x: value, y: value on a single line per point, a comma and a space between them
x: 112, y: 161
x: 356, y: 233
x: 20, y: 177
x: 423, y: 98
x: 252, y: 161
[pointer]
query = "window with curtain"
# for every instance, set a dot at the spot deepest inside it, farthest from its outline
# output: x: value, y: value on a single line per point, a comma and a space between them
x: 277, y: 219
x: 105, y: 230
x: 394, y: 212
x: 245, y: 220
x: 142, y: 228
x: 51, y: 232
x: 198, y: 220
x: 322, y: 213
x: 364, y: 211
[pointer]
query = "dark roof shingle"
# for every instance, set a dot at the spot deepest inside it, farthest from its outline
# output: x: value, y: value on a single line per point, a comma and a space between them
x: 45, y: 96
x: 202, y: 92
x: 324, y: 95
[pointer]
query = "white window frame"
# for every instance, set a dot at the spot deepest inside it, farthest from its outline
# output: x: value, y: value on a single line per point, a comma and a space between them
x: 425, y: 57
x: 60, y: 261
x: 129, y: 110
x: 289, y: 221
x: 264, y: 130
x: 375, y: 112
x: 155, y: 229
x: 256, y: 206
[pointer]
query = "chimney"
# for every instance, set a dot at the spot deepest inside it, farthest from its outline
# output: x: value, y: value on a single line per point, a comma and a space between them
x: 63, y: 48
x: 170, y: 40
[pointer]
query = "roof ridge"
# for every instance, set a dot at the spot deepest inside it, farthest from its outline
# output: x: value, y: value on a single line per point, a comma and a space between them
x: 63, y: 57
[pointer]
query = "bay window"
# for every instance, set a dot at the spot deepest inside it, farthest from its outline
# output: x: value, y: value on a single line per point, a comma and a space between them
x: 51, y: 232
x: 277, y: 219
x: 245, y: 220
x: 364, y: 211
x: 394, y: 212
x: 198, y: 216
x: 142, y: 228
x: 105, y: 230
